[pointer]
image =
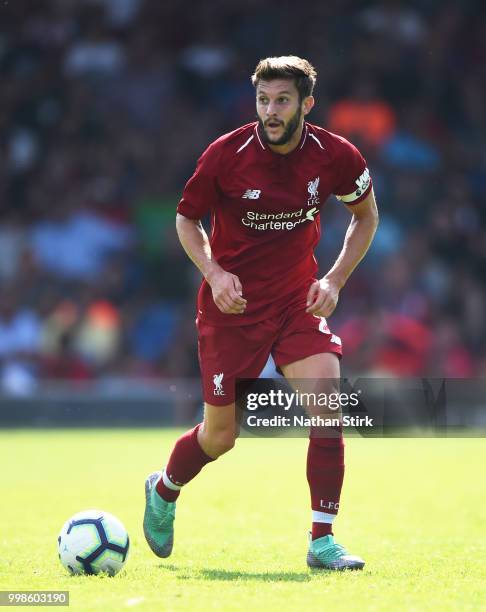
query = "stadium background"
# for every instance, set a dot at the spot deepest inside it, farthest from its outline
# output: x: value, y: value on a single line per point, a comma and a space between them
x: 105, y: 106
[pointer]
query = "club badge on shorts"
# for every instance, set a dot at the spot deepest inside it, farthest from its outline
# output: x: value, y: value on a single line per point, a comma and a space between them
x: 218, y: 384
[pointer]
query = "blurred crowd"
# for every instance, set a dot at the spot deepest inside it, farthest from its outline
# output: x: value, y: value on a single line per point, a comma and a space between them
x: 105, y: 106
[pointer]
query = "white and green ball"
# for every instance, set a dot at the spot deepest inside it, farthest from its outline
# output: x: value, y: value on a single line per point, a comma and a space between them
x: 92, y: 542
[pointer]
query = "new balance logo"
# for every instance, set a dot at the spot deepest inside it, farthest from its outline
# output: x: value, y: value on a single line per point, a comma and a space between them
x: 252, y: 194
x: 218, y: 384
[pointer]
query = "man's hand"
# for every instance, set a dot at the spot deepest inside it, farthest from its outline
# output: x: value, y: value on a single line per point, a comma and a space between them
x: 227, y: 292
x: 322, y: 297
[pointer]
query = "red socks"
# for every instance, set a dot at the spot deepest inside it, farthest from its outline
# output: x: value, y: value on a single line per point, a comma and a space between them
x: 185, y: 462
x: 325, y: 474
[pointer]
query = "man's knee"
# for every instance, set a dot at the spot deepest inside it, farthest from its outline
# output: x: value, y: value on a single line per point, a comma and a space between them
x: 217, y: 442
x: 218, y: 432
x: 223, y: 442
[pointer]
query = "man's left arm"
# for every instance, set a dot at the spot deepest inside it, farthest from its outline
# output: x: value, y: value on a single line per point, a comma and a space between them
x: 323, y: 294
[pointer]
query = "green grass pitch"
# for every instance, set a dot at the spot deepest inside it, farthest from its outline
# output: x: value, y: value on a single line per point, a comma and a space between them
x: 413, y: 508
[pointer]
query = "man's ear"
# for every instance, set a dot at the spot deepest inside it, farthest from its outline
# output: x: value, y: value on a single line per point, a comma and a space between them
x: 307, y: 104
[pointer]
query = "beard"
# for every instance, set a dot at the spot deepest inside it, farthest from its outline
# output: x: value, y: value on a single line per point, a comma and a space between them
x: 289, y: 129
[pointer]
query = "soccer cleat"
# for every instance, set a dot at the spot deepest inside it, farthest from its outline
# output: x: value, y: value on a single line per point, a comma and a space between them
x: 324, y: 553
x: 158, y: 520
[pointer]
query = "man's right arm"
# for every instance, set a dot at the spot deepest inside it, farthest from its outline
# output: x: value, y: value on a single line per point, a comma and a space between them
x: 226, y: 287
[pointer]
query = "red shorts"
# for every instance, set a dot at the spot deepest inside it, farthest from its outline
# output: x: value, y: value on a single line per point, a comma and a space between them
x: 228, y: 353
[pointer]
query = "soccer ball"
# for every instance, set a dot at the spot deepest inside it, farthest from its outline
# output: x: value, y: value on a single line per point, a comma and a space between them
x: 93, y: 541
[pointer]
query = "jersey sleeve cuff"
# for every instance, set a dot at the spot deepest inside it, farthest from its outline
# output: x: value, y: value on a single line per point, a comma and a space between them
x: 363, y: 189
x: 356, y: 197
x: 189, y: 215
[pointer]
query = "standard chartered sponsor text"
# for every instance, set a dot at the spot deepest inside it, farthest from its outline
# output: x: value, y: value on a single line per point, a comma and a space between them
x: 278, y: 221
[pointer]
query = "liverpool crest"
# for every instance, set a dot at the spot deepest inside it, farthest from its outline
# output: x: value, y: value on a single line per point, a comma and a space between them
x: 312, y: 188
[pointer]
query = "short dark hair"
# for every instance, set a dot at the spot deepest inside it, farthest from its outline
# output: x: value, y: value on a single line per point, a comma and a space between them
x: 288, y: 67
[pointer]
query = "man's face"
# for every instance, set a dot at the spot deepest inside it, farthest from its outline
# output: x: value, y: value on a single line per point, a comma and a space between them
x: 279, y: 110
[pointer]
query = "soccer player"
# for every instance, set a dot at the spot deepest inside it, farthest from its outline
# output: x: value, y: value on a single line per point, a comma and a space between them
x: 264, y: 185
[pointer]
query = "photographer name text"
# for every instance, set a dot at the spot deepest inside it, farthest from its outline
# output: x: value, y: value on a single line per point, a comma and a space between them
x: 308, y: 421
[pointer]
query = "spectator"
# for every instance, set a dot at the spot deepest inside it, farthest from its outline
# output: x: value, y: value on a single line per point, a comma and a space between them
x: 76, y: 243
x: 363, y: 117
x: 19, y: 344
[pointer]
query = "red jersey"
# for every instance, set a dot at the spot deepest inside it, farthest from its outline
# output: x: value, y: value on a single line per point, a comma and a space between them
x: 265, y: 209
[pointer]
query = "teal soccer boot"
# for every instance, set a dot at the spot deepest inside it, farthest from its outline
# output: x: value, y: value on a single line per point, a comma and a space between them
x: 158, y: 520
x: 324, y: 553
